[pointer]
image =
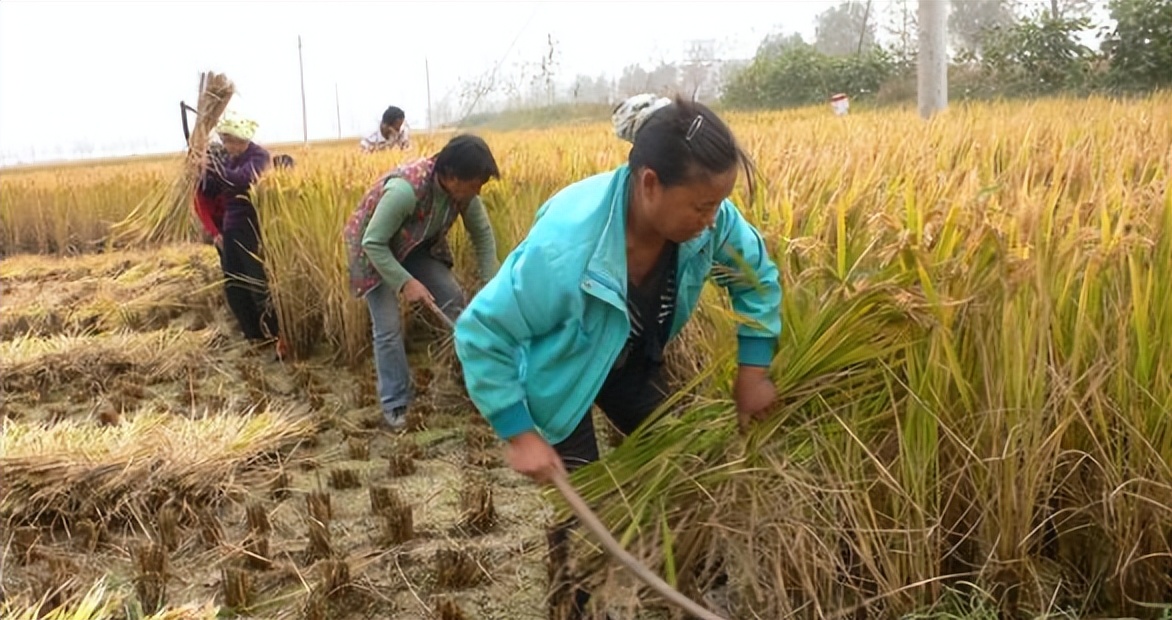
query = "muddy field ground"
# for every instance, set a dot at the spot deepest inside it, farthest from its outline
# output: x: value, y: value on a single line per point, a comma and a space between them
x: 145, y: 443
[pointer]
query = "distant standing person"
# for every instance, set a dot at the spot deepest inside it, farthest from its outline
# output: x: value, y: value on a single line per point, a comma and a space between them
x: 397, y: 246
x: 392, y: 133
x: 230, y: 218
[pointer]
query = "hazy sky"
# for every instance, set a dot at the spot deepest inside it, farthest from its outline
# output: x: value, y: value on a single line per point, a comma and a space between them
x: 107, y: 76
x: 104, y: 78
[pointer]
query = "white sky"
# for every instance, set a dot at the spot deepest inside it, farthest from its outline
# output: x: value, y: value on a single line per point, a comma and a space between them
x: 110, y: 74
x: 104, y: 78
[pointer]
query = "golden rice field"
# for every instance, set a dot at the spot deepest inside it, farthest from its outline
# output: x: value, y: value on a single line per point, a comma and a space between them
x: 974, y: 415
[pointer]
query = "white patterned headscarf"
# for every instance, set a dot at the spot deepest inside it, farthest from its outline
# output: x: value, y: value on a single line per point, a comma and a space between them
x: 630, y: 115
x: 234, y: 124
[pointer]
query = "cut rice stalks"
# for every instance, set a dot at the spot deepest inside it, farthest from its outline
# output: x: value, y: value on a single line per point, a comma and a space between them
x: 30, y: 365
x: 46, y: 269
x: 123, y: 473
x: 142, y: 297
x: 99, y: 603
x: 167, y: 214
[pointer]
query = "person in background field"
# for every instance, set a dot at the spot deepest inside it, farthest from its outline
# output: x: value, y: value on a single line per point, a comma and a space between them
x: 229, y: 217
x: 392, y: 133
x: 610, y: 272
x: 397, y: 244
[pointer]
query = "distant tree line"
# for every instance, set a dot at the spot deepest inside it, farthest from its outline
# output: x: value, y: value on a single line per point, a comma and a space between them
x: 1001, y: 48
x: 867, y: 49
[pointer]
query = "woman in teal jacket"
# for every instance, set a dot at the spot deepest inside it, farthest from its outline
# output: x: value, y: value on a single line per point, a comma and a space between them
x: 580, y: 312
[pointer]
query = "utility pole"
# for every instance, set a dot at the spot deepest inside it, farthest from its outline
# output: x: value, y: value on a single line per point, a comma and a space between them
x: 427, y: 75
x: 932, y: 64
x: 338, y: 107
x: 304, y: 121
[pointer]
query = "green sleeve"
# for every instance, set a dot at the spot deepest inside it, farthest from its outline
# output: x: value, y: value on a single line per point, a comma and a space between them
x: 393, y: 209
x: 479, y: 229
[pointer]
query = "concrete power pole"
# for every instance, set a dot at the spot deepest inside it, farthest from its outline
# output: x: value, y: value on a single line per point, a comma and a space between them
x: 304, y: 118
x: 932, y: 66
x: 427, y: 76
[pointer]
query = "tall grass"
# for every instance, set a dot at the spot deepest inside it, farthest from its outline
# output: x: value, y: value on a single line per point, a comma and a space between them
x: 974, y: 393
x: 975, y: 382
x: 302, y: 213
x: 69, y: 210
x: 971, y: 385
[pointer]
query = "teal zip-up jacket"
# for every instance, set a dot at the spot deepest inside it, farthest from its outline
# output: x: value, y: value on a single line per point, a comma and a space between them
x: 537, y: 342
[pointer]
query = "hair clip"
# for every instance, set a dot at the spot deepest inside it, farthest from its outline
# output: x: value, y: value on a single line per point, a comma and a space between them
x: 695, y: 127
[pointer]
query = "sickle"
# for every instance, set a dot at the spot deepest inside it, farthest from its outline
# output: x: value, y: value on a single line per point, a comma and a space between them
x: 612, y: 546
x: 183, y: 110
x: 592, y: 523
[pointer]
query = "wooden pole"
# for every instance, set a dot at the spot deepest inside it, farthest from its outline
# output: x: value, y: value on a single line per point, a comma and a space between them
x: 304, y: 120
x: 338, y: 107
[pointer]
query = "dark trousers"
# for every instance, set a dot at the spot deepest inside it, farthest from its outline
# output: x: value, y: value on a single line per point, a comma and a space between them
x: 627, y: 399
x: 245, y: 286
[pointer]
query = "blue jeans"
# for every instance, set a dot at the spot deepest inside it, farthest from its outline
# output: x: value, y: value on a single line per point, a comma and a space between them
x: 390, y: 355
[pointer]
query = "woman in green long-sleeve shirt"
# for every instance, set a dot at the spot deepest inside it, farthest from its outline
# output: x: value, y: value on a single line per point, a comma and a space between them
x: 398, y: 247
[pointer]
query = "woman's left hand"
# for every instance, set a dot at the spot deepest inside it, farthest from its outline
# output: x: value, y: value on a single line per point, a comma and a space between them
x: 753, y: 392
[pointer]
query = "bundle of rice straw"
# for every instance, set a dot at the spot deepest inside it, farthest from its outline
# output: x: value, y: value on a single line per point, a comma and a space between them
x: 167, y: 215
x: 77, y: 469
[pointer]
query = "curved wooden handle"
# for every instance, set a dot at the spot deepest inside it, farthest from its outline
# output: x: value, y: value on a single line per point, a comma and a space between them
x: 611, y: 545
x: 616, y: 550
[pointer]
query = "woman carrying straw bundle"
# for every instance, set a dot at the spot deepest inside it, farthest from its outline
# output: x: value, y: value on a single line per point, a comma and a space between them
x: 611, y: 270
x: 397, y: 243
x: 229, y: 217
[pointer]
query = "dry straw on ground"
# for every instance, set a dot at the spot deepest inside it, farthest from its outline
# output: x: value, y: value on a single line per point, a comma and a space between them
x: 171, y: 259
x: 35, y: 365
x: 76, y: 470
x: 99, y: 305
x: 100, y: 603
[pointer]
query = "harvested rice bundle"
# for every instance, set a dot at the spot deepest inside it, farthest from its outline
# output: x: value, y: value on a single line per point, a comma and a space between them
x: 165, y: 216
x: 88, y: 362
x: 72, y: 470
